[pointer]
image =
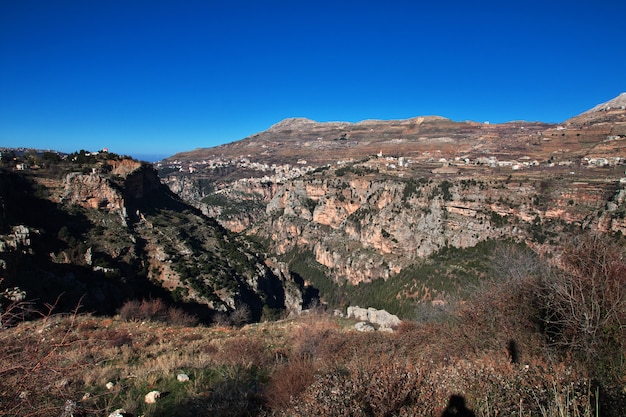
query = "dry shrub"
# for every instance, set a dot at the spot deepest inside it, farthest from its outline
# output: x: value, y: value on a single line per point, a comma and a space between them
x: 496, y: 387
x: 240, y: 316
x: 288, y: 381
x: 221, y: 319
x: 190, y: 337
x: 407, y: 327
x: 153, y: 309
x: 156, y: 310
x: 118, y: 338
x: 243, y: 351
x: 386, y: 386
x: 177, y: 317
x: 585, y: 303
x: 130, y: 310
x: 382, y: 387
x: 235, y: 393
x: 316, y: 337
x: 38, y: 373
x: 507, y: 309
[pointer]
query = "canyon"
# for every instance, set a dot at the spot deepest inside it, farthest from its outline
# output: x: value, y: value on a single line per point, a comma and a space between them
x: 368, y: 200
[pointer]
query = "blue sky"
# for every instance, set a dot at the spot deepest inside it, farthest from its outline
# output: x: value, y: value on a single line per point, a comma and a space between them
x: 157, y: 77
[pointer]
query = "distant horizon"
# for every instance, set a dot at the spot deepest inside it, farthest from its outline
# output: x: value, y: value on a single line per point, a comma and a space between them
x: 156, y: 157
x: 173, y: 76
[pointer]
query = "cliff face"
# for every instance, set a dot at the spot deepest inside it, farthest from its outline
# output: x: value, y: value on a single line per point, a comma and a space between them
x: 369, y: 199
x: 115, y: 233
x: 362, y: 224
x: 123, y: 180
x: 93, y: 191
x: 363, y: 229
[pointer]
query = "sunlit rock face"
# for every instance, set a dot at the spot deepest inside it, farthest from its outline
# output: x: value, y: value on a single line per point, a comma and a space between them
x: 368, y: 199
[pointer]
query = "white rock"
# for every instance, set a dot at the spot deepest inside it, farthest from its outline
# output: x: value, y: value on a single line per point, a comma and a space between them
x: 381, y: 318
x: 118, y: 413
x: 109, y: 385
x: 182, y: 377
x: 364, y: 326
x: 152, y: 397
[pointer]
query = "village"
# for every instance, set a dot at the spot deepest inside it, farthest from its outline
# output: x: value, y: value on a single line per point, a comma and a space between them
x: 278, y: 173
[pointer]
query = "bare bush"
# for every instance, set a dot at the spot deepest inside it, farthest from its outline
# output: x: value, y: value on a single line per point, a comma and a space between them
x: 240, y: 316
x: 177, y: 317
x: 156, y: 310
x: 376, y: 388
x: 585, y: 300
x: 288, y: 381
x: 511, y: 262
x: 243, y: 351
x: 130, y: 310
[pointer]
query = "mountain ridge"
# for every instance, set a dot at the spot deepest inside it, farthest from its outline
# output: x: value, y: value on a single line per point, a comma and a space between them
x: 617, y: 102
x: 99, y: 230
x: 367, y: 202
x: 295, y: 140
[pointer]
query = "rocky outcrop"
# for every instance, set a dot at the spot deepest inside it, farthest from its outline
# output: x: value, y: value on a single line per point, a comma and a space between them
x: 364, y: 326
x: 367, y: 227
x: 111, y: 190
x: 130, y: 238
x: 140, y: 182
x: 93, y: 191
x: 17, y: 239
x: 381, y: 318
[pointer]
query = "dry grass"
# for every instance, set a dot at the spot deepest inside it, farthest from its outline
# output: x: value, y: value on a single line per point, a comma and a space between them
x: 310, y: 366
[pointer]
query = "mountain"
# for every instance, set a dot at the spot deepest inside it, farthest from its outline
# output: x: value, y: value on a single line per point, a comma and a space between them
x: 386, y: 214
x: 294, y: 140
x: 308, y: 143
x: 511, y: 298
x: 618, y: 103
x: 98, y: 230
x: 356, y: 203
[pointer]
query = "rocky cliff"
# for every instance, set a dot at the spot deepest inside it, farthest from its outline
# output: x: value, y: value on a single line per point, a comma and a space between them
x: 106, y: 230
x: 370, y: 199
x: 366, y: 227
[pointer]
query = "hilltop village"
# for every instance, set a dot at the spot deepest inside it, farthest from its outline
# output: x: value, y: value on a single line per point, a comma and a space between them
x: 278, y: 173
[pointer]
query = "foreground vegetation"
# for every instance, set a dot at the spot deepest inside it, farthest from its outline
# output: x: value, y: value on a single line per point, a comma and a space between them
x: 536, y: 342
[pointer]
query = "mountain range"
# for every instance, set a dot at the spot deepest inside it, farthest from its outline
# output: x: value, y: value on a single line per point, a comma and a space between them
x: 499, y: 246
x: 360, y: 203
x: 384, y: 213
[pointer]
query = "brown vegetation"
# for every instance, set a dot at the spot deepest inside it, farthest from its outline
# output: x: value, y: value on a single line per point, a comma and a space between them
x: 502, y: 352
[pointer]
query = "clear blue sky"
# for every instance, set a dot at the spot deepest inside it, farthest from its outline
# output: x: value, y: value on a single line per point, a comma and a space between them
x: 159, y: 77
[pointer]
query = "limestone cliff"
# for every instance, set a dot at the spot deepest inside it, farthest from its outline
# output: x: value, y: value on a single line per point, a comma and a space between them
x: 106, y: 230
x: 370, y: 199
x: 110, y: 188
x: 363, y: 227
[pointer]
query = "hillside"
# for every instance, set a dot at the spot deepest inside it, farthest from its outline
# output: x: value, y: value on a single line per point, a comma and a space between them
x: 97, y: 230
x: 501, y: 352
x: 227, y: 292
x: 361, y: 202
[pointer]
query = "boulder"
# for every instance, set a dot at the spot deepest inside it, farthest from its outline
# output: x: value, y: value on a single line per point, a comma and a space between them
x: 152, y: 397
x: 380, y: 318
x: 364, y: 326
x: 384, y: 319
x: 358, y: 313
